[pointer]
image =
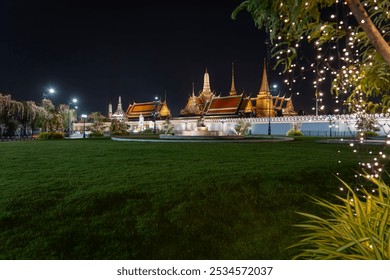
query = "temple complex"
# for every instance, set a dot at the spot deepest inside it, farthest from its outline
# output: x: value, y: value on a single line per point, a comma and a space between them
x: 207, y: 103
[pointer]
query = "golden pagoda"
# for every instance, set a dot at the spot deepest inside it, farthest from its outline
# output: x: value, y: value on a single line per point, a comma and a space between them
x: 164, y: 110
x: 206, y: 93
x: 264, y: 99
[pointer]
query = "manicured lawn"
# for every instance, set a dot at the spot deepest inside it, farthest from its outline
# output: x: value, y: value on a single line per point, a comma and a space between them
x: 102, y: 199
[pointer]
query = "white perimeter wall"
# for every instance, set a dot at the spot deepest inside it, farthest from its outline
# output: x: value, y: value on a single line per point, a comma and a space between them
x: 336, y: 125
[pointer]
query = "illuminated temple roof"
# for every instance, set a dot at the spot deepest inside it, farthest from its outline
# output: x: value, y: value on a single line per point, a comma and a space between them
x: 226, y: 105
x: 147, y: 109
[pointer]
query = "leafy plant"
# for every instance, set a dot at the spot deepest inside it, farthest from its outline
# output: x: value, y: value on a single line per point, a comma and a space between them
x: 357, y: 228
x: 96, y: 134
x: 51, y: 135
x: 370, y: 134
x: 118, y: 128
x: 294, y: 132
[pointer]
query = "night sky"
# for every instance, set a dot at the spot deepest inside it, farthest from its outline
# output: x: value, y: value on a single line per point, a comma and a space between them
x: 97, y: 50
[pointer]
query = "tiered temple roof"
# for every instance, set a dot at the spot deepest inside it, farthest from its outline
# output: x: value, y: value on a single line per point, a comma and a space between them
x: 284, y: 105
x: 147, y: 109
x: 226, y: 105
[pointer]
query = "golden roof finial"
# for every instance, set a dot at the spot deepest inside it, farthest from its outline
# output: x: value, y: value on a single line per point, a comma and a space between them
x: 232, y: 88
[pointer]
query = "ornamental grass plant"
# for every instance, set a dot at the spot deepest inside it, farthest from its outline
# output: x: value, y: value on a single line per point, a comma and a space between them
x: 357, y: 228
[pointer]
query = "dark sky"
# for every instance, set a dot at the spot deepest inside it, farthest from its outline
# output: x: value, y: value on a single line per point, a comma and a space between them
x: 97, y: 50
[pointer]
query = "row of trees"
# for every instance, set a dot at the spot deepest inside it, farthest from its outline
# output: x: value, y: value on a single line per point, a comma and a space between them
x: 22, y: 117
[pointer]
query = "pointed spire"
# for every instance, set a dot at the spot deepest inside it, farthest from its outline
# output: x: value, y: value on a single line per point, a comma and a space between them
x: 206, y: 83
x: 264, y: 88
x: 119, y: 109
x: 193, y: 90
x: 232, y: 88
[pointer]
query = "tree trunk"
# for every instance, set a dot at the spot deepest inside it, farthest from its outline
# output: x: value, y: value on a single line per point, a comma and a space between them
x: 370, y: 29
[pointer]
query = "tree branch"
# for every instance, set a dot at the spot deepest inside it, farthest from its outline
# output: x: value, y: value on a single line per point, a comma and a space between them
x: 370, y: 29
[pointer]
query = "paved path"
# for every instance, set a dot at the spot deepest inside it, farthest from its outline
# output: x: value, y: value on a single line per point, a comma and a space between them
x: 193, y: 140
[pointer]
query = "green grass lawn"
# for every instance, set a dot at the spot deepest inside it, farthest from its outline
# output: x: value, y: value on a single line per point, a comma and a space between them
x: 102, y: 199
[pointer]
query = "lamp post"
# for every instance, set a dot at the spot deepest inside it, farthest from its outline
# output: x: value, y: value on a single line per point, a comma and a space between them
x: 269, y: 115
x: 331, y: 124
x: 48, y: 92
x: 156, y: 101
x: 70, y: 103
x: 270, y: 103
x: 84, y: 116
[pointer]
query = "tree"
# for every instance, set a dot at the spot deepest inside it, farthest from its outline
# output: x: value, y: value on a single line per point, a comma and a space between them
x: 97, y: 121
x: 9, y: 110
x: 360, y: 42
x: 29, y: 115
x: 242, y: 127
x: 118, y: 128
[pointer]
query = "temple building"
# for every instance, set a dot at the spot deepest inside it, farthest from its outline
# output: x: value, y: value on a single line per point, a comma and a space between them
x: 148, y: 110
x: 207, y: 103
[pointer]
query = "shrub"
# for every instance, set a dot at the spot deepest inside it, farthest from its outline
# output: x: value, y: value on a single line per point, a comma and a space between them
x: 96, y: 134
x: 370, y: 133
x: 52, y: 135
x: 294, y: 132
x: 357, y: 228
x: 118, y: 128
x: 147, y: 131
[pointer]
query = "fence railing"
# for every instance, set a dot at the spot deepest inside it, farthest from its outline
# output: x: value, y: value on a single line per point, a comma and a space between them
x: 322, y: 133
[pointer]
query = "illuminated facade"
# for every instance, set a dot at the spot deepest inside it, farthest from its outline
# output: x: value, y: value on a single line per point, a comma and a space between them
x: 207, y: 103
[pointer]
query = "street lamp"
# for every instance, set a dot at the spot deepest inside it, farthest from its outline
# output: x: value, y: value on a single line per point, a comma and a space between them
x: 84, y: 116
x: 331, y: 124
x: 270, y: 103
x: 222, y: 122
x: 48, y: 92
x: 156, y: 101
x: 70, y: 103
x: 269, y: 115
